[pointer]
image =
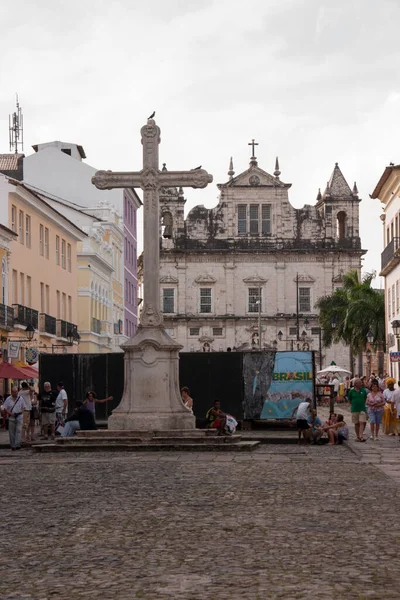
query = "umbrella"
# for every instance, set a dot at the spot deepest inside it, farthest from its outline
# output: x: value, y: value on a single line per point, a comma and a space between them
x: 8, y: 371
x: 334, y: 369
x: 30, y: 373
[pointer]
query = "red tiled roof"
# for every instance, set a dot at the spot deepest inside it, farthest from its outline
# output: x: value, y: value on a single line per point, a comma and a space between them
x: 9, y: 162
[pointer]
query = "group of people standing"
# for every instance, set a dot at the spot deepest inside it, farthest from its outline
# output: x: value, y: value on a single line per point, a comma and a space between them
x: 24, y: 408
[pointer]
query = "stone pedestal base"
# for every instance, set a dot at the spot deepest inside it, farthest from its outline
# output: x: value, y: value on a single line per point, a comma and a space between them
x: 151, y: 400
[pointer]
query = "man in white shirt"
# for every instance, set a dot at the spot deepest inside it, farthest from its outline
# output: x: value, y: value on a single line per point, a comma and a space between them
x: 303, y: 412
x: 14, y: 407
x: 395, y: 400
x: 61, y: 404
x: 27, y: 394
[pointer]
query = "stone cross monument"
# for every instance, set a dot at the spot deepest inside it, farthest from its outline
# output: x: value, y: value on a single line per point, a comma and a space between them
x: 151, y: 400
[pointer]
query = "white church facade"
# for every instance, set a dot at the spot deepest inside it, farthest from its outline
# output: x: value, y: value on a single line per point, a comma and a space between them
x: 246, y: 274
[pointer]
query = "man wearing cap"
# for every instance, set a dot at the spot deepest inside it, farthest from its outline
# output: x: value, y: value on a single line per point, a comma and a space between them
x: 61, y: 404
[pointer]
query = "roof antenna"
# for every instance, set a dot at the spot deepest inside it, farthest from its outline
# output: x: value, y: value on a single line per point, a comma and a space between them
x: 16, y: 128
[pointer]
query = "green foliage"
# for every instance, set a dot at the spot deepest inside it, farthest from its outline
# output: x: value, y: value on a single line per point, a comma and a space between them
x: 354, y: 310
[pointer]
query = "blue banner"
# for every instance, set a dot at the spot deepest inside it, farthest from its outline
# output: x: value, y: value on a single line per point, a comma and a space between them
x: 291, y: 383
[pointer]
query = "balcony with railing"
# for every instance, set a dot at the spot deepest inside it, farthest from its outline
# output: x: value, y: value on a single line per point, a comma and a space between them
x: 64, y: 328
x: 47, y: 324
x: 390, y: 257
x: 96, y: 325
x: 6, y: 317
x: 23, y: 315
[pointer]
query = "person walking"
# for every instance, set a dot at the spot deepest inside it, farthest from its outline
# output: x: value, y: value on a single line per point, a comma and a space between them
x: 14, y: 407
x: 47, y: 402
x: 375, y: 403
x: 61, y: 404
x: 389, y: 413
x: 357, y: 398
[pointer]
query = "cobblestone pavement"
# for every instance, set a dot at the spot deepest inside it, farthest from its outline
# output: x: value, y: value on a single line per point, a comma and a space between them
x: 287, y: 522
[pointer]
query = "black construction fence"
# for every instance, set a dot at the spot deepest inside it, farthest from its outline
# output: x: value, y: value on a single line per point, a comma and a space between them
x: 227, y: 376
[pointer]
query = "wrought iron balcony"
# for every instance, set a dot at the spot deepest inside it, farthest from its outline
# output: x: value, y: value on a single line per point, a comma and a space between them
x: 64, y: 328
x: 23, y: 315
x: 48, y: 324
x: 6, y: 317
x: 390, y: 257
x: 96, y: 325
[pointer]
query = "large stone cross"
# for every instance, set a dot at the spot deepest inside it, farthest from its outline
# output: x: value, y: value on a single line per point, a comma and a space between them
x: 151, y: 179
x: 151, y: 400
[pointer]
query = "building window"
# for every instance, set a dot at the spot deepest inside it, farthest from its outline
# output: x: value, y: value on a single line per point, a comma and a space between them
x: 168, y: 300
x: 14, y: 218
x: 266, y: 218
x: 397, y: 297
x: 205, y: 300
x: 69, y: 308
x: 57, y: 250
x: 217, y: 331
x: 254, y: 299
x: 58, y: 304
x: 63, y: 306
x: 304, y: 300
x: 28, y: 291
x: 22, y: 289
x: 315, y: 330
x: 389, y: 303
x: 292, y: 330
x: 194, y: 331
x: 253, y: 218
x: 27, y: 231
x: 41, y: 240
x: 4, y: 280
x: 21, y: 227
x: 393, y: 302
x: 46, y: 242
x: 42, y: 298
x: 69, y: 257
x: 14, y: 287
x: 63, y: 244
x: 47, y: 299
x: 242, y: 219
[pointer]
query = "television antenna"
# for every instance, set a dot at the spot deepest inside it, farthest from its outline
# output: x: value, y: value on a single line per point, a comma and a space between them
x: 16, y: 128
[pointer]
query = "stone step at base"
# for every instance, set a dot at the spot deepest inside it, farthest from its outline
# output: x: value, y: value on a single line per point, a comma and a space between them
x: 81, y: 446
x: 110, y: 439
x: 173, y: 433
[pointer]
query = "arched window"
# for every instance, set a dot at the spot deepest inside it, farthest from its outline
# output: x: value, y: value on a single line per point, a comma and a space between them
x: 4, y: 280
x: 167, y: 223
x: 341, y: 225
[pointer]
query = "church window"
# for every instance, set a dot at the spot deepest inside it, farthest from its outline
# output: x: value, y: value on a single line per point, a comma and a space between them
x: 315, y: 330
x: 255, y: 299
x: 341, y: 225
x: 305, y: 299
x: 205, y: 300
x: 266, y: 218
x: 217, y: 331
x: 167, y: 224
x: 254, y: 218
x: 195, y: 331
x: 292, y: 330
x: 242, y: 219
x: 168, y: 300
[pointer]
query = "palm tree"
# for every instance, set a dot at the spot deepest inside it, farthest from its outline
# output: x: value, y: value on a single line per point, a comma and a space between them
x: 353, y: 313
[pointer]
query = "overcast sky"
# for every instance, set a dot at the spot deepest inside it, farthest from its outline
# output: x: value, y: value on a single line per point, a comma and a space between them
x: 314, y: 81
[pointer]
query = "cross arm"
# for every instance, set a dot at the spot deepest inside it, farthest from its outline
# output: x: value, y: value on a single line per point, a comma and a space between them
x: 196, y: 178
x: 107, y: 180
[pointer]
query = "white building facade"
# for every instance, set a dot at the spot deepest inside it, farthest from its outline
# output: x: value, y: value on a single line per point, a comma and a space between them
x: 256, y: 260
x: 387, y: 191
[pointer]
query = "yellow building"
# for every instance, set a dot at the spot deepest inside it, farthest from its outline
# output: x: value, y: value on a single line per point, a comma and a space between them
x: 42, y: 282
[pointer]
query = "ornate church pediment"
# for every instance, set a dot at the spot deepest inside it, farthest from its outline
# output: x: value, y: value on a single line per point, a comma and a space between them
x: 304, y: 279
x: 168, y: 279
x: 255, y: 177
x: 205, y: 279
x: 256, y: 279
x: 206, y: 339
x: 338, y: 278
